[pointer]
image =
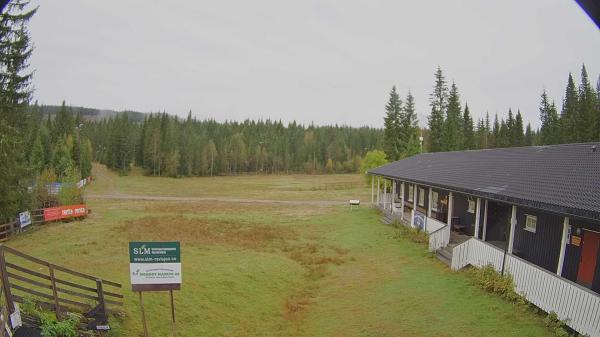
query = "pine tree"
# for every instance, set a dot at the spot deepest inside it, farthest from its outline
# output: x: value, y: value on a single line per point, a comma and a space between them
x: 453, y: 126
x: 438, y: 102
x: 391, y: 121
x: 467, y: 131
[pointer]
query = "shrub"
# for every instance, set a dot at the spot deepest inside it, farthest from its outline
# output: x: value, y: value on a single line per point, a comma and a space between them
x: 488, y: 279
x: 413, y: 234
x: 51, y: 327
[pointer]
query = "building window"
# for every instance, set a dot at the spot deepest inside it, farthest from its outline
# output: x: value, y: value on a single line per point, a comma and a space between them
x: 530, y: 223
x: 410, y: 192
x: 422, y: 197
x: 434, y: 201
x: 471, y: 208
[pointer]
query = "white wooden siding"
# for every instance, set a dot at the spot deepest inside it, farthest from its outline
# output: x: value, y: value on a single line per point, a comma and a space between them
x: 579, y: 306
x: 439, y: 234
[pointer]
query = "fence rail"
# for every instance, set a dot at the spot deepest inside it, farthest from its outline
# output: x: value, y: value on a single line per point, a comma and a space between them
x: 579, y: 306
x: 54, y: 287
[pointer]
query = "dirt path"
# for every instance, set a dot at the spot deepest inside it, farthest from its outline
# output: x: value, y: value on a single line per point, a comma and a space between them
x: 217, y: 199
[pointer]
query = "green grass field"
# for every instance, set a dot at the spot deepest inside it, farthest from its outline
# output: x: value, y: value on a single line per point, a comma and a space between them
x: 274, y: 269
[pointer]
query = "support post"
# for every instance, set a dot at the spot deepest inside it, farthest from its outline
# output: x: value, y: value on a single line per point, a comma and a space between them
x: 412, y: 218
x: 450, y: 207
x: 477, y: 217
x: 429, y: 203
x: 402, y: 201
x: 173, y: 314
x: 385, y: 194
x: 378, y: 192
x: 54, y: 292
x: 563, y: 246
x: 10, y: 304
x: 485, y: 214
x: 143, y: 315
x: 513, y: 223
x: 393, y: 197
x: 372, y: 189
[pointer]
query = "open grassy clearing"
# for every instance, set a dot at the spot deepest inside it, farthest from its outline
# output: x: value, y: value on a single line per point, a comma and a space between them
x: 333, y: 187
x: 277, y: 270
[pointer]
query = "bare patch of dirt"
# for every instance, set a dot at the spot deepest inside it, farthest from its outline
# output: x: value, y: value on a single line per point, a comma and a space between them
x: 209, y: 232
x: 204, y: 207
x: 315, y: 258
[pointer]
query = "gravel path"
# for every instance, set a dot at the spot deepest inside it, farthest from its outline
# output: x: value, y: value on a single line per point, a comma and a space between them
x: 217, y: 199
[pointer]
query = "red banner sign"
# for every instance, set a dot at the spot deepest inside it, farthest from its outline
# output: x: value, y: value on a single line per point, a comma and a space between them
x: 64, y: 212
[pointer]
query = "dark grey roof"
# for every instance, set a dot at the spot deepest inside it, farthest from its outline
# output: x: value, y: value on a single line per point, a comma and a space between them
x: 562, y: 179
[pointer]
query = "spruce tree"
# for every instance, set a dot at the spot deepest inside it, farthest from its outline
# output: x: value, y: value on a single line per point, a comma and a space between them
x: 453, y: 126
x: 468, y: 132
x: 438, y: 102
x: 495, y: 137
x: 549, y: 131
x: 528, y: 135
x: 587, y: 109
x: 569, y: 115
x: 15, y: 94
x: 411, y: 144
x: 518, y: 132
x: 391, y: 122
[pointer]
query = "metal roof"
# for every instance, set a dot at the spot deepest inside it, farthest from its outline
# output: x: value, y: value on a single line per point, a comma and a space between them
x: 562, y: 179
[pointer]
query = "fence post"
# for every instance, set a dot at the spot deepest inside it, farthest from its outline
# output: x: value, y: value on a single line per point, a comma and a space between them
x: 5, y: 285
x: 54, y: 292
x: 100, y: 292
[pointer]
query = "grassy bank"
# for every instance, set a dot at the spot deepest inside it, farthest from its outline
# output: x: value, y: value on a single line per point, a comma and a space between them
x: 265, y: 269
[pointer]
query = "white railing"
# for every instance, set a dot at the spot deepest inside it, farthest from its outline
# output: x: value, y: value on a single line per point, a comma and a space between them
x: 433, y: 225
x: 578, y: 306
x: 440, y: 237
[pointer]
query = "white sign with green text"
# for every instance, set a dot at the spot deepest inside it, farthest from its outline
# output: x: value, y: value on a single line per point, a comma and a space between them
x: 155, y: 266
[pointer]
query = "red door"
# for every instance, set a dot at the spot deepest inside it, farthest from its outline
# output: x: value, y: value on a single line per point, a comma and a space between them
x: 589, y: 254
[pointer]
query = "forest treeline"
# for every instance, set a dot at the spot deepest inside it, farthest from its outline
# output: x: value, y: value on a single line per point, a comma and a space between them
x: 166, y: 145
x: 451, y: 126
x: 39, y: 146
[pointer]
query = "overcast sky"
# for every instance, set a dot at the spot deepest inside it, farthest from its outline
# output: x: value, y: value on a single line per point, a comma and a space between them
x: 321, y: 61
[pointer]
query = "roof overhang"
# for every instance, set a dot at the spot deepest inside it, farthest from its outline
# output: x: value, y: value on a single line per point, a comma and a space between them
x: 547, y: 207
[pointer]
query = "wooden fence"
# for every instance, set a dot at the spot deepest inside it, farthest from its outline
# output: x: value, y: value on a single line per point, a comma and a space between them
x: 13, y: 227
x: 577, y: 305
x: 56, y: 288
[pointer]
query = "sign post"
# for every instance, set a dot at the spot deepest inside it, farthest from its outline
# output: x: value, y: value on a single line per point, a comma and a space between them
x: 155, y: 266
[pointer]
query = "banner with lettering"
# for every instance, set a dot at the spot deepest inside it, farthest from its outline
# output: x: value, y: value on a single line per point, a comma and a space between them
x: 64, y: 212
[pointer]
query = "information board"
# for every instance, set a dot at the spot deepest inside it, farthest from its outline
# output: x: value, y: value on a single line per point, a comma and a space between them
x: 155, y: 266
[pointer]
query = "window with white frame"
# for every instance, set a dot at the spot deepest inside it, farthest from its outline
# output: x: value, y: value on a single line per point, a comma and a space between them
x: 530, y: 223
x: 471, y: 207
x: 411, y: 191
x: 434, y: 201
x: 422, y: 197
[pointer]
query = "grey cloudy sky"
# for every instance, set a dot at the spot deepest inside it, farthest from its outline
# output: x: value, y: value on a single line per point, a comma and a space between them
x: 321, y: 61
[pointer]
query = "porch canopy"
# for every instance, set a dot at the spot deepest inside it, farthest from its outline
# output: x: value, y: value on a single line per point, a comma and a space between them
x: 562, y: 179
